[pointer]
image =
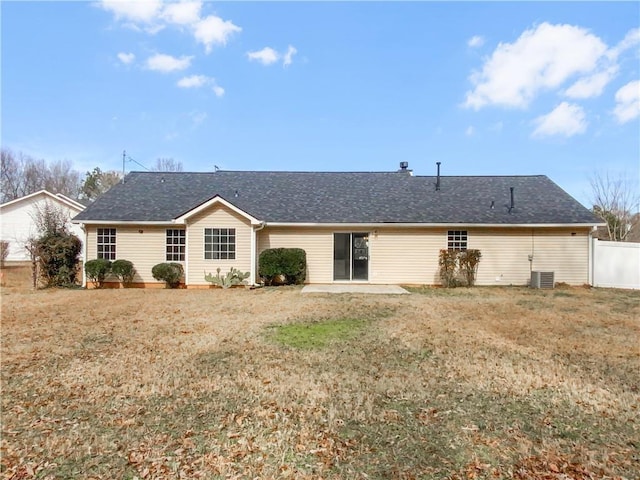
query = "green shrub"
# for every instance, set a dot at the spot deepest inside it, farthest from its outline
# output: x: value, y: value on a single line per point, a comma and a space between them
x: 124, y: 270
x: 233, y: 277
x: 97, y: 270
x: 57, y: 254
x: 169, y: 273
x: 291, y: 263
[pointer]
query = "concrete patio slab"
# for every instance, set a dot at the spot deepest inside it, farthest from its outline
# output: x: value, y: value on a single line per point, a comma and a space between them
x: 350, y: 288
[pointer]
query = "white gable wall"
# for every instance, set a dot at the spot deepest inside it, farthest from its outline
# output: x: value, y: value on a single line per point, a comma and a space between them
x: 17, y: 225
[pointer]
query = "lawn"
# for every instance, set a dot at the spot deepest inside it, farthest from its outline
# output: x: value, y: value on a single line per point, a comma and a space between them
x: 269, y: 383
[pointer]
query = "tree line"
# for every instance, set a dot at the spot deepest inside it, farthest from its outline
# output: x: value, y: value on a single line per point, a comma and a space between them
x: 22, y: 174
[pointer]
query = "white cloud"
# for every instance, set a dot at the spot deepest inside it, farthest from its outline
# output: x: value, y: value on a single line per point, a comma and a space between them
x: 266, y: 56
x: 182, y: 13
x: 592, y: 85
x: 194, y: 81
x: 219, y: 91
x: 470, y: 131
x: 631, y: 39
x: 198, y: 81
x: 628, y: 102
x: 198, y: 117
x: 151, y: 16
x: 541, y: 58
x: 476, y: 41
x: 166, y: 63
x: 566, y: 119
x: 288, y: 57
x: 269, y: 56
x: 144, y: 11
x: 126, y: 58
x: 213, y: 30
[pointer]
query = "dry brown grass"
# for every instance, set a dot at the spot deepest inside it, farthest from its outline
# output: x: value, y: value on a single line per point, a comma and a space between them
x: 480, y: 383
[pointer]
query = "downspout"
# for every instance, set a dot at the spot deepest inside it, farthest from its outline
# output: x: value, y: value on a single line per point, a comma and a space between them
x: 84, y: 255
x: 254, y: 251
x: 591, y: 254
x: 186, y: 254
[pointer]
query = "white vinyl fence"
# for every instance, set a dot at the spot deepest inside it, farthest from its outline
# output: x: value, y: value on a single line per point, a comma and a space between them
x: 616, y: 264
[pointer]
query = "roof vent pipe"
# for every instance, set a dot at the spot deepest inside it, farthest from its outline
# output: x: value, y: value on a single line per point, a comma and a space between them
x: 438, y: 177
x: 512, y: 204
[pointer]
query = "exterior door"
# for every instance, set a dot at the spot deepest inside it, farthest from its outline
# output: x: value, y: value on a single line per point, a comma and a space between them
x: 351, y: 256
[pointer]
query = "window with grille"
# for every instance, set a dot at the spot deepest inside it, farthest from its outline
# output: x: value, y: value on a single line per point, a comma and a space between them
x: 220, y: 243
x: 176, y: 241
x: 107, y: 243
x: 457, y: 240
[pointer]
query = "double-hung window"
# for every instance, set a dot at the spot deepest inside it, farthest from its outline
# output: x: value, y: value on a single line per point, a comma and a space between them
x: 220, y: 243
x: 457, y: 240
x: 176, y: 241
x: 107, y: 243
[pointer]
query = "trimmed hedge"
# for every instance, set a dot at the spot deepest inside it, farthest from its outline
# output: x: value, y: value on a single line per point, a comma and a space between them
x: 124, y: 270
x: 169, y: 273
x: 289, y: 263
x: 97, y: 270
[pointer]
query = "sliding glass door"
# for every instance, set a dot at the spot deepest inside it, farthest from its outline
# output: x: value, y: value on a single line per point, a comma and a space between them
x: 351, y: 256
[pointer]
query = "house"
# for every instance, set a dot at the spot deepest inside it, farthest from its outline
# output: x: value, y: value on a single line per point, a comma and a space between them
x: 373, y: 227
x: 17, y: 223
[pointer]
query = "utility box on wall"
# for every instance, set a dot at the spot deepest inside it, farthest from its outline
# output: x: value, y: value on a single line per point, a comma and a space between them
x: 542, y: 280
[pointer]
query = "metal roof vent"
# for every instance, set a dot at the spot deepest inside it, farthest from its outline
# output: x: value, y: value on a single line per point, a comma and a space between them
x: 404, y: 168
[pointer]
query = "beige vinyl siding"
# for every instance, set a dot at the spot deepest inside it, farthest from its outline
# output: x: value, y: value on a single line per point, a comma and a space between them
x: 410, y: 255
x: 218, y: 216
x: 396, y: 256
x: 569, y: 251
x: 405, y: 255
x: 144, y: 246
x: 505, y: 254
x: 316, y: 242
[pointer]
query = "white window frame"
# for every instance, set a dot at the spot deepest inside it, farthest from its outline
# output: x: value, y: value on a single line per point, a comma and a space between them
x: 175, y: 244
x: 219, y: 249
x: 457, y: 240
x: 106, y: 239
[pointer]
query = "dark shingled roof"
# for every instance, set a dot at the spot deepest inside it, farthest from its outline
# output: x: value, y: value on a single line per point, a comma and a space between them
x: 342, y: 197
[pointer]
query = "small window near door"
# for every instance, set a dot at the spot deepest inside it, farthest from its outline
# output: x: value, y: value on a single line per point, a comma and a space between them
x: 175, y: 245
x: 457, y: 240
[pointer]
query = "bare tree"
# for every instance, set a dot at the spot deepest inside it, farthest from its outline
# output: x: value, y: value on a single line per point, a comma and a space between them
x: 168, y: 165
x: 21, y: 175
x: 616, y: 201
x: 62, y: 178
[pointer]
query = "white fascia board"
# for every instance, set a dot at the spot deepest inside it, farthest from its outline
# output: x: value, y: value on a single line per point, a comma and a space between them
x: 209, y: 203
x: 58, y: 197
x: 71, y: 202
x: 423, y: 225
x: 122, y: 222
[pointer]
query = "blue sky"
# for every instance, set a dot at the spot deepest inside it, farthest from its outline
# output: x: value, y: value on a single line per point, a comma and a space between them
x: 485, y: 88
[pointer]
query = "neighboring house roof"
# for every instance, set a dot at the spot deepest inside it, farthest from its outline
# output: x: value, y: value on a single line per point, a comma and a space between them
x: 342, y: 197
x: 69, y: 202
